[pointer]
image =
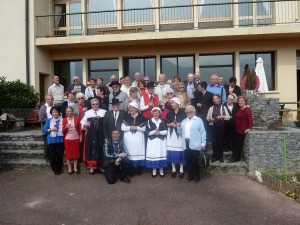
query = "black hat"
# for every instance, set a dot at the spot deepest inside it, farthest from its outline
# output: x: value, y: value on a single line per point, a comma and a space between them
x: 150, y: 84
x: 115, y: 101
x: 114, y: 83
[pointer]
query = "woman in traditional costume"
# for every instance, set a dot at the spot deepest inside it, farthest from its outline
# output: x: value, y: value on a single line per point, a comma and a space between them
x: 92, y: 122
x: 156, y: 153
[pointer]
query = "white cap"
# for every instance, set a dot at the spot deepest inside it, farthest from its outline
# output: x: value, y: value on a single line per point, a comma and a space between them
x: 176, y: 100
x: 156, y: 108
x: 133, y: 104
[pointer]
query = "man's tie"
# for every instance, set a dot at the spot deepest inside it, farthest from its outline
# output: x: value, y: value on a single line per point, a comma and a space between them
x: 115, y: 116
x: 151, y: 97
x: 95, y: 112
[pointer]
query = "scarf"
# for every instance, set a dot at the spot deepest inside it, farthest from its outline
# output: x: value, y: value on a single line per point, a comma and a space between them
x: 53, y: 123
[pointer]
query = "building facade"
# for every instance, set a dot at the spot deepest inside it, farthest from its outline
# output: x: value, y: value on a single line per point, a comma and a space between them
x: 91, y: 38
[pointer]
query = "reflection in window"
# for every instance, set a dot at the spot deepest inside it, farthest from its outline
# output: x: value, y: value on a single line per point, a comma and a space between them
x: 146, y: 66
x: 104, y: 68
x: 178, y: 65
x: 221, y: 65
x: 66, y: 70
x: 268, y: 59
x: 176, y: 13
x: 98, y: 17
x: 136, y: 16
x: 215, y: 11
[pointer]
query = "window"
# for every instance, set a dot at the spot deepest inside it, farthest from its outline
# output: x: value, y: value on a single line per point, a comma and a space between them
x: 177, y: 65
x: 220, y: 10
x: 104, y: 68
x: 221, y: 65
x: 138, y: 16
x: 146, y: 66
x: 298, y: 60
x: 66, y: 70
x: 182, y: 12
x: 67, y: 24
x: 268, y: 58
x: 256, y: 12
x: 98, y: 18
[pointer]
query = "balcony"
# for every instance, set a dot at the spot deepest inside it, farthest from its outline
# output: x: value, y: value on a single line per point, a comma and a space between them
x: 261, y: 16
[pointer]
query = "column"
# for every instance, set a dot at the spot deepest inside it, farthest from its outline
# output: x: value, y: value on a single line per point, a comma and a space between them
x: 85, y: 75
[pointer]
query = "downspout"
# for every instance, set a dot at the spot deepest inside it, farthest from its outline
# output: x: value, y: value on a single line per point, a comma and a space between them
x: 27, y: 42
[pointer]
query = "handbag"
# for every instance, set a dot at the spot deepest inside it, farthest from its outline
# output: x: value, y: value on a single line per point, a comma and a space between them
x: 203, y: 159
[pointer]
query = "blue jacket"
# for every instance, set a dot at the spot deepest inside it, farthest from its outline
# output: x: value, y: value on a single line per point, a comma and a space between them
x: 198, y: 134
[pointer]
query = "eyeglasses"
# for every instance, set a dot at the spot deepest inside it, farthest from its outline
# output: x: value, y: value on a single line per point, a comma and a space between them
x: 180, y: 87
x: 95, y: 104
x: 75, y: 80
x: 79, y: 98
x: 188, y: 112
x: 230, y: 98
x: 114, y: 86
x: 170, y: 93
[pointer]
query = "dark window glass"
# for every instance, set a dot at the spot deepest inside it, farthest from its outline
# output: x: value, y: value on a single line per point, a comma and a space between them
x: 104, y: 68
x: 298, y: 59
x: 146, y: 66
x: 59, y: 21
x: 66, y: 70
x: 268, y: 58
x: 177, y: 65
x: 221, y: 65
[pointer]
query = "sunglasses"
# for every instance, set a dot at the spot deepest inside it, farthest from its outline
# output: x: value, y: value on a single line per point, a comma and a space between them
x: 170, y: 93
x: 75, y: 80
x: 79, y: 98
x: 188, y: 112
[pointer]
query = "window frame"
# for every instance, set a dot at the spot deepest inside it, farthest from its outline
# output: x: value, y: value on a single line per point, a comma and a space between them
x: 102, y: 70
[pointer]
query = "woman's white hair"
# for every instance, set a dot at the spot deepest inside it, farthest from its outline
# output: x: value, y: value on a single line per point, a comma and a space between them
x: 78, y: 95
x: 190, y: 108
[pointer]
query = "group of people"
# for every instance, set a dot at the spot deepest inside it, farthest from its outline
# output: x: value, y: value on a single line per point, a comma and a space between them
x: 124, y: 128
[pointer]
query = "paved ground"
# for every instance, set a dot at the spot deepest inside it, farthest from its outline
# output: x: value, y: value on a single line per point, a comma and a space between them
x: 42, y: 198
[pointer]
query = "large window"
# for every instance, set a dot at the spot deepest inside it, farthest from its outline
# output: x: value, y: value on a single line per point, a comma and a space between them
x: 177, y: 65
x: 104, y: 68
x: 268, y: 58
x: 138, y: 16
x: 146, y: 66
x: 104, y: 18
x: 177, y: 13
x: 254, y: 12
x: 66, y: 70
x: 219, y: 9
x: 221, y: 65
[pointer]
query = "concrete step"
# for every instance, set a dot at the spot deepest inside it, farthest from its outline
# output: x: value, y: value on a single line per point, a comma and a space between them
x: 226, y: 155
x: 25, y: 154
x: 20, y: 145
x: 218, y: 168
x: 22, y: 136
x: 21, y: 164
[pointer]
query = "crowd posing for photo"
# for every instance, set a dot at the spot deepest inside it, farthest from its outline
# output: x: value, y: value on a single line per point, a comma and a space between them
x: 122, y: 128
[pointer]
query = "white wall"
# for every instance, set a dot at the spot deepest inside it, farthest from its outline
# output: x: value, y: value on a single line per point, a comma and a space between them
x: 12, y: 39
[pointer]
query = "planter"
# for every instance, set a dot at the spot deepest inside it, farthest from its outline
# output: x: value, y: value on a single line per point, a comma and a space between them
x: 281, y: 186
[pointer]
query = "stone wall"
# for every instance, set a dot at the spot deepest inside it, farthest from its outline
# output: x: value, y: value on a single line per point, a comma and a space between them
x: 265, y: 110
x: 264, y: 150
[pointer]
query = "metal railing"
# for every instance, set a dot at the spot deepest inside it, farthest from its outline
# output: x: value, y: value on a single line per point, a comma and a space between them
x: 185, y: 17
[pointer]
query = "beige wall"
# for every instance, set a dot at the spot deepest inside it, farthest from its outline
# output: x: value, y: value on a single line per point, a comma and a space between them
x: 12, y: 39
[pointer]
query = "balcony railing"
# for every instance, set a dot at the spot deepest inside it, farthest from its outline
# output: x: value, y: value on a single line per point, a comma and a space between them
x: 186, y: 17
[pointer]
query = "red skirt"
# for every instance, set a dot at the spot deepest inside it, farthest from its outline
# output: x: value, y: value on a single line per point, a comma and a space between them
x: 72, y: 148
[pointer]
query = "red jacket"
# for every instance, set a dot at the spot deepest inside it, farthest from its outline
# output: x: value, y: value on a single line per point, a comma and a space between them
x: 77, y: 126
x: 147, y: 113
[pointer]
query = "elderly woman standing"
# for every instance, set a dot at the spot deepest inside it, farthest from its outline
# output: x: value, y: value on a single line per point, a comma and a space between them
x: 165, y: 103
x: 126, y: 85
x: 134, y: 127
x: 162, y: 87
x: 175, y: 152
x: 73, y: 137
x: 156, y: 153
x: 183, y: 96
x: 193, y: 141
x: 216, y: 116
x: 91, y: 91
x: 133, y: 92
x: 243, y: 124
x: 92, y: 123
x: 55, y: 140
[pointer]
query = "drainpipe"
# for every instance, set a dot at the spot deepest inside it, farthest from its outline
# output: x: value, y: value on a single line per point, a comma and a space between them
x: 27, y: 41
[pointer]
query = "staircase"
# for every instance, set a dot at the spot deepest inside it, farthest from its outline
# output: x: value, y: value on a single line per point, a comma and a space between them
x: 24, y: 150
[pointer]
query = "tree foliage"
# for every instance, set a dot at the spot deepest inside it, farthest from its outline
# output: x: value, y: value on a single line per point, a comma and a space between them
x: 16, y: 94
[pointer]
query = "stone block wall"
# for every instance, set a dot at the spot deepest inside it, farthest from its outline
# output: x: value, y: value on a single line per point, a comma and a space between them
x: 265, y: 110
x: 264, y: 150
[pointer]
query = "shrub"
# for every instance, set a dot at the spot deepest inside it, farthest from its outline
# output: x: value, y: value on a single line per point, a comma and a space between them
x: 16, y: 94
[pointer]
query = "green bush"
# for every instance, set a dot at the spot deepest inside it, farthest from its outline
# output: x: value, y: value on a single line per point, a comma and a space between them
x: 16, y: 94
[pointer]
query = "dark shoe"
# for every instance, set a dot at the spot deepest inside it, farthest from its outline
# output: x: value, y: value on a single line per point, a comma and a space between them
x: 221, y: 160
x: 181, y: 175
x: 126, y: 180
x: 195, y: 181
x: 47, y: 160
x: 154, y: 175
x: 57, y: 173
x: 70, y: 173
x: 92, y: 173
x: 189, y: 179
x: 77, y: 171
x: 173, y: 174
x: 162, y: 175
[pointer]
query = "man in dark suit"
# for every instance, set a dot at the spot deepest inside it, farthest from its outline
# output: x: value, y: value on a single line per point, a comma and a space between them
x: 113, y: 119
